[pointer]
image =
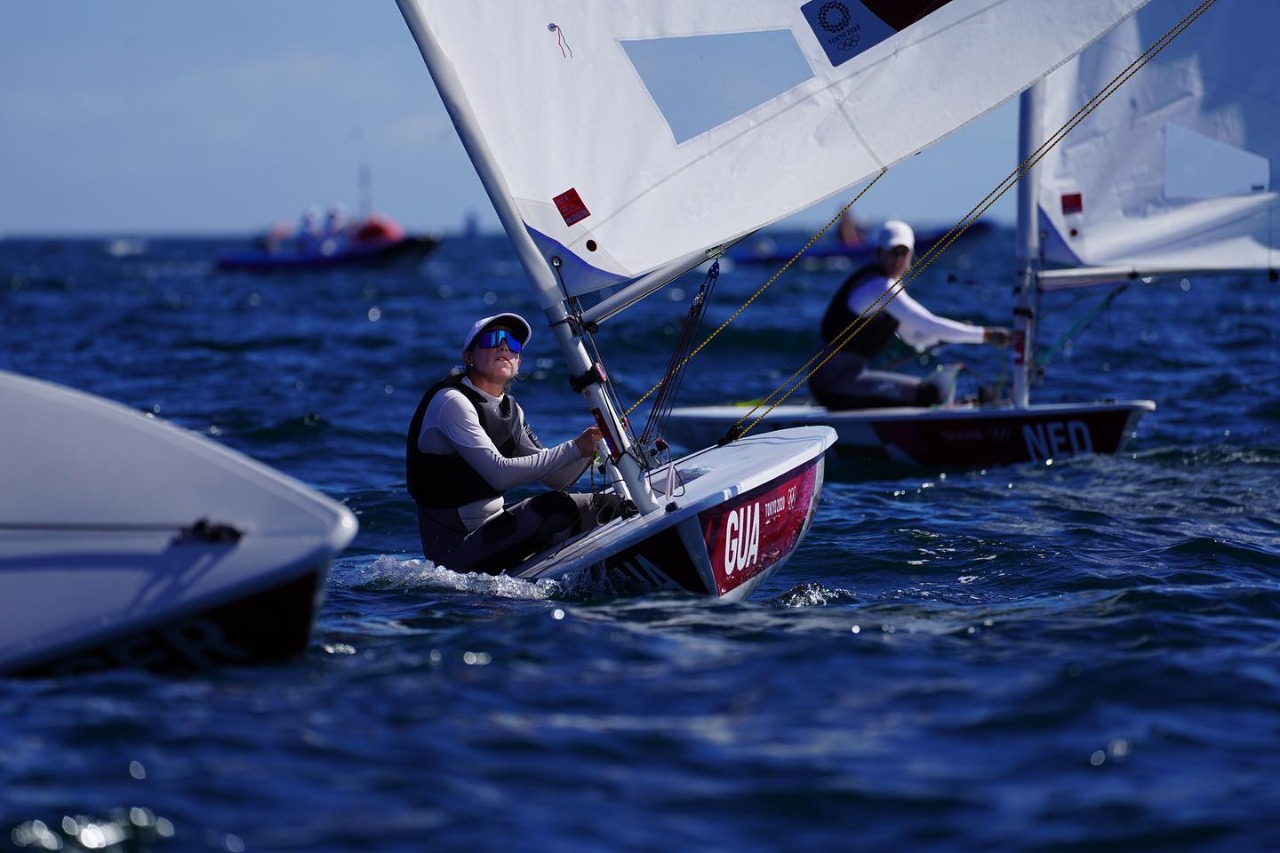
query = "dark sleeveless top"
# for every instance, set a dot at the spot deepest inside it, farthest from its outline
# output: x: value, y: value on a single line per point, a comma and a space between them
x: 873, y: 337
x: 445, y: 480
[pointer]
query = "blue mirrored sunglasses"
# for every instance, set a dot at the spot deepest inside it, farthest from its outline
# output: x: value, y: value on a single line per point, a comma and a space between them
x: 493, y: 337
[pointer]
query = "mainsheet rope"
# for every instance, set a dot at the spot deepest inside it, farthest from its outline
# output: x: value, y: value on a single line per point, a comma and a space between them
x: 671, y: 382
x: 1059, y: 345
x: 793, y: 382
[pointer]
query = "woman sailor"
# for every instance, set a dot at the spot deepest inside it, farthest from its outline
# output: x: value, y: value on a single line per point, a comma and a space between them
x: 468, y: 443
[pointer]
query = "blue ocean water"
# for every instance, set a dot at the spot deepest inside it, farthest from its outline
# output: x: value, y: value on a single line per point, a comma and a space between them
x: 1078, y: 655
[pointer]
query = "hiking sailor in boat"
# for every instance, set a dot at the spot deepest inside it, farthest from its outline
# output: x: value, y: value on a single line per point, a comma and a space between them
x: 843, y: 382
x: 468, y: 443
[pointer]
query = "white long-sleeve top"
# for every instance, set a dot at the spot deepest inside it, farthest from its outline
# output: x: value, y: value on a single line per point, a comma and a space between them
x: 919, y: 327
x: 450, y: 424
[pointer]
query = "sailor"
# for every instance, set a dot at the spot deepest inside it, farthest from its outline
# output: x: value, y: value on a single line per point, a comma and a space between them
x: 335, y: 219
x: 468, y: 443
x: 333, y: 236
x: 843, y: 382
x: 308, y: 233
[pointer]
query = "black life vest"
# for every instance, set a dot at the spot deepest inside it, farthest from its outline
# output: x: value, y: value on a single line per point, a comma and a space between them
x: 873, y: 337
x: 445, y: 480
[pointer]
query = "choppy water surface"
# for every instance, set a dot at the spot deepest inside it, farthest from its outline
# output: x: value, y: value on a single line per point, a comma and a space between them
x: 1082, y: 654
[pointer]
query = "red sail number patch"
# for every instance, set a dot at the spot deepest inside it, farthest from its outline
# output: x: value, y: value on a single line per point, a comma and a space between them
x: 570, y: 205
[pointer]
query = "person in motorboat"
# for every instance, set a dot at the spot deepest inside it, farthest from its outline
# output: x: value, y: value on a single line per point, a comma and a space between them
x: 308, y: 234
x: 844, y: 382
x: 335, y: 220
x: 468, y: 444
x: 334, y: 233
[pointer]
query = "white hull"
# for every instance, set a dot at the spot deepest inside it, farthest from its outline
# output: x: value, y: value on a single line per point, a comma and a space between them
x: 961, y: 436
x: 127, y: 541
x: 730, y: 518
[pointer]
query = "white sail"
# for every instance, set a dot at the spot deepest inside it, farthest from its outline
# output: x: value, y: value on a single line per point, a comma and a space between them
x: 633, y: 135
x: 1178, y: 170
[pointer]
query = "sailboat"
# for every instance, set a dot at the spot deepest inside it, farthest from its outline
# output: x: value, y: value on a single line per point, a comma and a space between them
x: 1179, y: 176
x: 126, y: 541
x: 1175, y: 176
x: 623, y: 144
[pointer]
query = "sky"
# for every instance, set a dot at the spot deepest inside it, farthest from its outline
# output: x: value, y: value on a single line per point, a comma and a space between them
x: 148, y: 117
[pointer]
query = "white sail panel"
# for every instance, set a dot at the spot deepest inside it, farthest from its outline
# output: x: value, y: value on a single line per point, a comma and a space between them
x: 699, y: 82
x: 572, y: 143
x: 1177, y: 170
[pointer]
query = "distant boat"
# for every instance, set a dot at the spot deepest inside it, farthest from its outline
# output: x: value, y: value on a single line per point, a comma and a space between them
x: 129, y: 542
x: 371, y: 241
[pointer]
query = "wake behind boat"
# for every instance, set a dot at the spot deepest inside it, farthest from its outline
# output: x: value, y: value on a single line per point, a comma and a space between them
x: 128, y: 542
x: 616, y: 163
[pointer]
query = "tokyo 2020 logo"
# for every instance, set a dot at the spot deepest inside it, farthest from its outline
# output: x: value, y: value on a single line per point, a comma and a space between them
x: 834, y: 17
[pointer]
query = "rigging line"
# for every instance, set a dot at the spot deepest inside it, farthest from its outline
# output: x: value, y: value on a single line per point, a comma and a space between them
x: 764, y: 286
x: 911, y: 357
x: 562, y: 41
x: 557, y: 266
x: 935, y: 251
x: 674, y: 377
x: 1044, y: 358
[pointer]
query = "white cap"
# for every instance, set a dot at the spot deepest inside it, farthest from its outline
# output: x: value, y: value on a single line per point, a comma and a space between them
x: 896, y: 233
x: 517, y: 323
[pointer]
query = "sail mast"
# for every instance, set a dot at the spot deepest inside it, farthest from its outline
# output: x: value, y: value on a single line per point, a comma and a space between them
x: 543, y: 277
x: 1030, y: 112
